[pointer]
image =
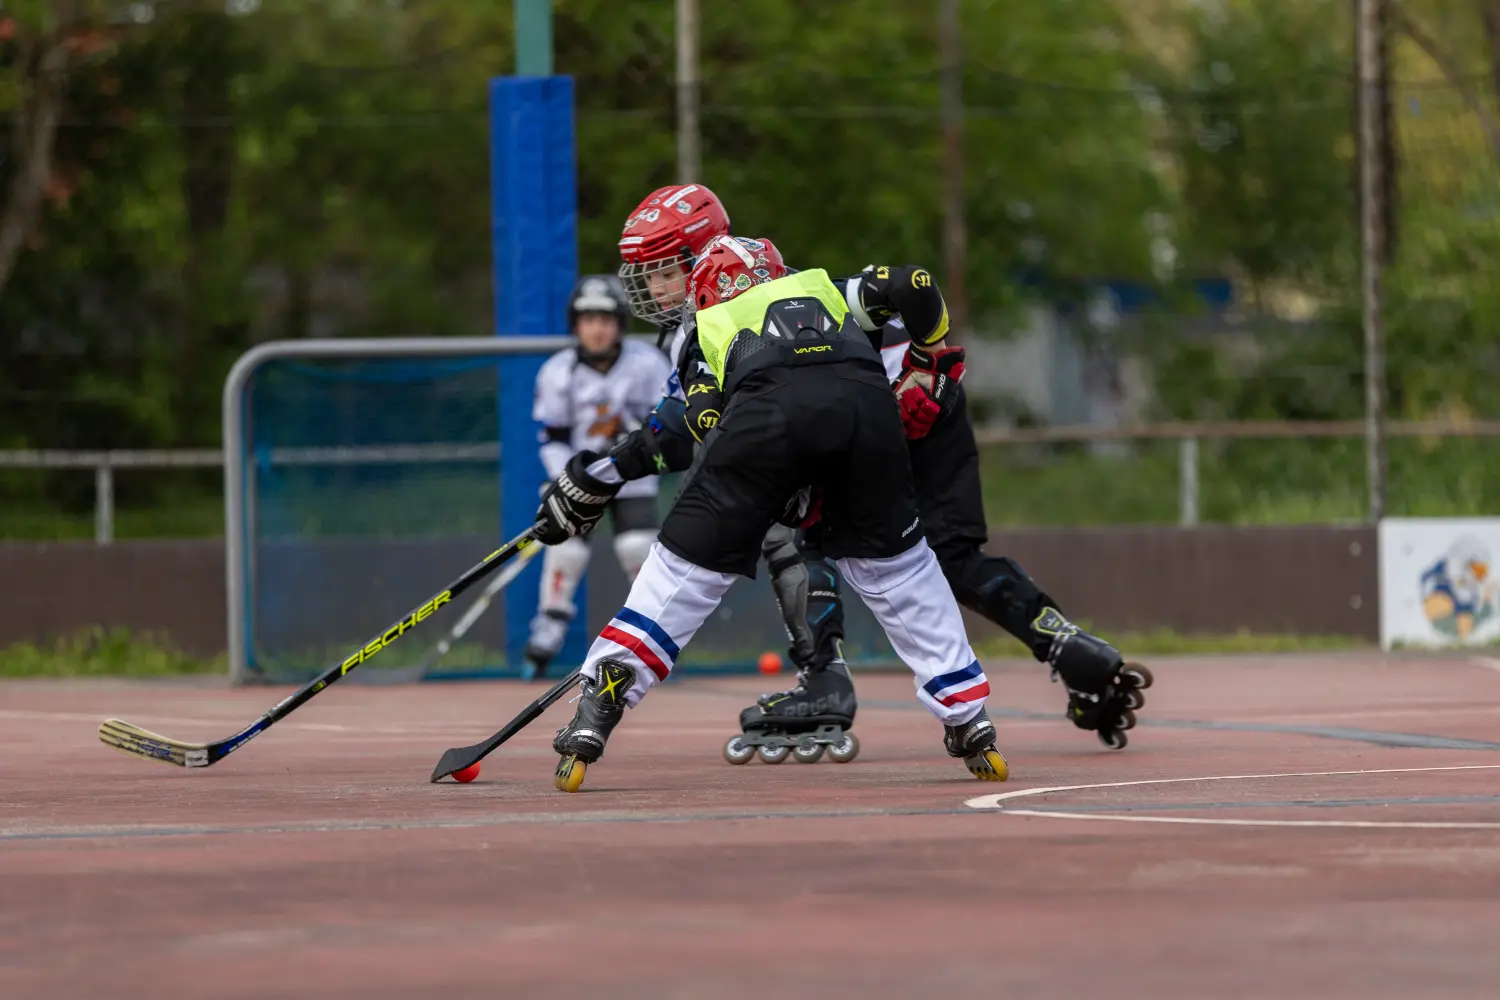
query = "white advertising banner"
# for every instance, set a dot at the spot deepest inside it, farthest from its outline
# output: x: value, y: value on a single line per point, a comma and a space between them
x: 1438, y: 583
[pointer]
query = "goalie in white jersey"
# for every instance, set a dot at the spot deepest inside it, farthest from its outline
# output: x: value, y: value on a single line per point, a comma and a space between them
x: 586, y: 398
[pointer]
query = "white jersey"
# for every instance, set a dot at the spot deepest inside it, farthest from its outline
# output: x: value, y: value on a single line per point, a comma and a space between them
x: 580, y: 408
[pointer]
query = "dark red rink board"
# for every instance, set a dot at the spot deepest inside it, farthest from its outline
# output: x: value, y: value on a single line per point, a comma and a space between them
x: 319, y: 862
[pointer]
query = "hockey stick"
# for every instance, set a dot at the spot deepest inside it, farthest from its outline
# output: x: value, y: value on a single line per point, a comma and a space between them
x: 461, y: 757
x: 141, y: 743
x: 475, y: 611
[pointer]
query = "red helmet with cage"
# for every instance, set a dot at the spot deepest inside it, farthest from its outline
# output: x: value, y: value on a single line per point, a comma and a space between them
x: 661, y: 240
x: 731, y: 265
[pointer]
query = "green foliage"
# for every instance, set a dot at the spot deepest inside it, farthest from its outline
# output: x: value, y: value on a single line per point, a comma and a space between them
x: 322, y: 168
x: 1274, y: 481
x: 103, y: 653
x: 312, y: 168
x: 1265, y: 147
x: 1262, y: 140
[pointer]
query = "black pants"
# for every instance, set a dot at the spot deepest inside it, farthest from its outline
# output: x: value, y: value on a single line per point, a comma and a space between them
x: 835, y: 427
x: 633, y: 514
x: 945, y: 465
x: 950, y: 499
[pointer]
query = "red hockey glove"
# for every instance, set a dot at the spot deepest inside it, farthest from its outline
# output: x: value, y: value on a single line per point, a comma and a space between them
x: 928, y: 387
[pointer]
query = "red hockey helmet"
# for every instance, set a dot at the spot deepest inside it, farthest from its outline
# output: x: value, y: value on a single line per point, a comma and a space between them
x: 731, y: 265
x: 661, y: 240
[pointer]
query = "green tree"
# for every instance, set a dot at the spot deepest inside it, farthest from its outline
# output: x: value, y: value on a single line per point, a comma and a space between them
x: 1260, y: 134
x: 40, y: 43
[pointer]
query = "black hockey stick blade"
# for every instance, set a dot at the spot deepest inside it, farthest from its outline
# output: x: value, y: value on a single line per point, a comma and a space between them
x: 461, y: 757
x: 139, y: 742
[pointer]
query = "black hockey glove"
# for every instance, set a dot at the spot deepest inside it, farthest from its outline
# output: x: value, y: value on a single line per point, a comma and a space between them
x: 573, y: 505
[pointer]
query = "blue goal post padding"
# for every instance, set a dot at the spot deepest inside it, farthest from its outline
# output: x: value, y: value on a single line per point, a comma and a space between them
x: 534, y: 217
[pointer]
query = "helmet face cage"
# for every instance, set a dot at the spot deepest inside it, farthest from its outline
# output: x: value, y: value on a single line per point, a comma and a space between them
x: 670, y: 274
x: 659, y: 244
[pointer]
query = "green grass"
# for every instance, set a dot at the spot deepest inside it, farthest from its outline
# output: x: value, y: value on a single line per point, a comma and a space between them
x: 1295, y: 481
x: 1165, y: 642
x: 1292, y: 481
x: 104, y: 653
x: 182, y: 517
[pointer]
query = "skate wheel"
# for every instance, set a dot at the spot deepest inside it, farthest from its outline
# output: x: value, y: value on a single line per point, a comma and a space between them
x: 808, y: 752
x: 569, y: 774
x: 773, y: 755
x: 1115, y: 739
x: 1134, y: 699
x: 1138, y: 673
x: 845, y: 750
x: 988, y: 766
x: 737, y: 751
x: 1127, y: 719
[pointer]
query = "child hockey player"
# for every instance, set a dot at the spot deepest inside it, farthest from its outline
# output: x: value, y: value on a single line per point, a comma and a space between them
x: 790, y: 398
x: 661, y: 239
x: 587, y: 397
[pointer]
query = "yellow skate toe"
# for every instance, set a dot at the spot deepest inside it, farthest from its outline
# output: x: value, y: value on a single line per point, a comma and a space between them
x: 569, y: 774
x: 988, y: 766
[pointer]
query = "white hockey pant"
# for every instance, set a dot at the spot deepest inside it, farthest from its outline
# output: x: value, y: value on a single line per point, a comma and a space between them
x: 672, y: 598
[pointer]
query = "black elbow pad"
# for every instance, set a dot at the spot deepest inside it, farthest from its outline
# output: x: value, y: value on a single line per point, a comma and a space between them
x: 662, y: 445
x: 915, y: 296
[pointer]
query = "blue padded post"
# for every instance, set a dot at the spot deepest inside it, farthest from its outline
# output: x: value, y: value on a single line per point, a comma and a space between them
x: 534, y: 216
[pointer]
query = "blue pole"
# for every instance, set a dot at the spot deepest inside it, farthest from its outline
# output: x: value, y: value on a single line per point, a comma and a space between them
x: 534, y: 227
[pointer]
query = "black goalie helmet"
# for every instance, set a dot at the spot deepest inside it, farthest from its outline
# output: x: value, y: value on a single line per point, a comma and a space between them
x: 598, y: 293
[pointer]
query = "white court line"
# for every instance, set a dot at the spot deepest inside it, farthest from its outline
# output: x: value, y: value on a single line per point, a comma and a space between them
x: 1207, y: 821
x: 1491, y: 662
x: 997, y: 801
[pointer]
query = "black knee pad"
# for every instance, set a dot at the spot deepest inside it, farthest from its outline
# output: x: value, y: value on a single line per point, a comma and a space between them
x: 825, y: 612
x: 790, y: 585
x: 1000, y: 590
x: 807, y: 590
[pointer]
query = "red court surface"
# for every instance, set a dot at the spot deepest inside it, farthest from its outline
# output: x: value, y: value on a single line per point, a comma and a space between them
x: 1362, y: 862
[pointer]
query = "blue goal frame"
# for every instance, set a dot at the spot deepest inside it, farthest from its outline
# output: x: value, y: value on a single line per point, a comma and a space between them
x: 239, y: 566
